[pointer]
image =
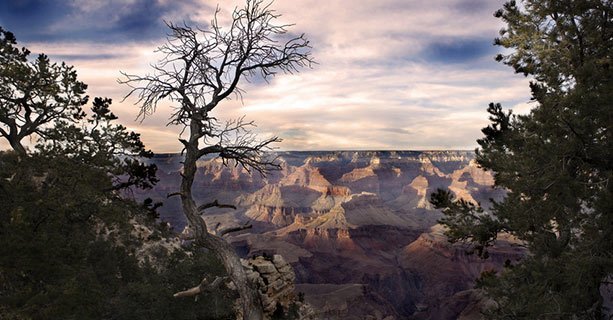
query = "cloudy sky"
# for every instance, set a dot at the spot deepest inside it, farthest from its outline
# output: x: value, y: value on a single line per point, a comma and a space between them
x: 391, y: 74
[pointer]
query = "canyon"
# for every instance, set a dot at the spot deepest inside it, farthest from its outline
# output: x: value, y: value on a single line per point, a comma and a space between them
x: 356, y: 226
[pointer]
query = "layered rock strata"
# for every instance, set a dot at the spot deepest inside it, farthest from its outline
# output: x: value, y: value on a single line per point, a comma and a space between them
x: 352, y: 219
x: 274, y: 278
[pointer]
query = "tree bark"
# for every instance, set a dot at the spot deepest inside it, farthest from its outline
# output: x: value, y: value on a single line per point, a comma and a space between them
x: 17, y: 147
x: 250, y: 300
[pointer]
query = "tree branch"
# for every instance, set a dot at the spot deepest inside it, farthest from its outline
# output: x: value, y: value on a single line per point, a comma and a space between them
x: 202, y: 287
x: 225, y: 231
x: 215, y: 203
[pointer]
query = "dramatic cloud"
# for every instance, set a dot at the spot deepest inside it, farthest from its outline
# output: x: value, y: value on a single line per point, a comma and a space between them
x: 391, y: 74
x: 94, y: 21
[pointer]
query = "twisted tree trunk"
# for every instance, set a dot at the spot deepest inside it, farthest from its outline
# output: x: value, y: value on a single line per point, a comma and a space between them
x: 17, y: 146
x: 250, y: 300
x: 201, y: 69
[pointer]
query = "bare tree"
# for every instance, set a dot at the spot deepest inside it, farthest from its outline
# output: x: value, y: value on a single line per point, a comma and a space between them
x: 201, y: 68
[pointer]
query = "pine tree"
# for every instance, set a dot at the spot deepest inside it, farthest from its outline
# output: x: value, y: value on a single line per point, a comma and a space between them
x: 67, y: 248
x: 555, y: 163
x: 34, y: 94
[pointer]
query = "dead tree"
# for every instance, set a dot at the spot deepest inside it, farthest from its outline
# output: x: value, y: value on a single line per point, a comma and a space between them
x: 201, y: 68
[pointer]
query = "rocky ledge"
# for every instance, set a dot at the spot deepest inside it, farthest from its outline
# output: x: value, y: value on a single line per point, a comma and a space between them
x: 274, y: 278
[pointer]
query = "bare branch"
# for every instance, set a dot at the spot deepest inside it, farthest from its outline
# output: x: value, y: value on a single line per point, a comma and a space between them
x: 215, y: 204
x: 201, y: 68
x: 225, y: 231
x: 202, y: 287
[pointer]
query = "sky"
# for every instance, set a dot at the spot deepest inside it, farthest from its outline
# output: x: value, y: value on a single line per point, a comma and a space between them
x: 390, y: 74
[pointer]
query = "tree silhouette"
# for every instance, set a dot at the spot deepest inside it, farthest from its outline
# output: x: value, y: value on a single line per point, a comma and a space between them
x: 34, y: 94
x: 201, y: 68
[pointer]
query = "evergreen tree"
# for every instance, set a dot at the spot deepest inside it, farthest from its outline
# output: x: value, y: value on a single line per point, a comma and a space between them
x: 34, y: 94
x: 67, y: 243
x: 555, y: 163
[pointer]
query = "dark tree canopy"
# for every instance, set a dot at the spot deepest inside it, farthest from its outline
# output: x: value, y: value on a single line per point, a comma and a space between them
x: 56, y: 264
x: 44, y: 100
x: 555, y: 162
x: 34, y: 94
x: 68, y: 249
x: 97, y: 141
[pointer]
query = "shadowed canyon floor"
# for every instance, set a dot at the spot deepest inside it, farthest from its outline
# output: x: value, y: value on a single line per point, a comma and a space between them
x: 356, y: 227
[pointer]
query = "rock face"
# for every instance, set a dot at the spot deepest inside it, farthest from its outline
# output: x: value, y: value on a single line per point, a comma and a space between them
x: 443, y: 267
x: 355, y: 223
x: 275, y: 281
x: 274, y: 278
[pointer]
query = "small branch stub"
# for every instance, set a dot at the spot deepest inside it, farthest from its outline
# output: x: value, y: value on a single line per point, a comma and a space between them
x: 202, y: 287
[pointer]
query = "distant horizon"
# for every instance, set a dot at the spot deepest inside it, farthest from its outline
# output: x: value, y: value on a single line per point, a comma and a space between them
x: 356, y: 150
x: 4, y: 146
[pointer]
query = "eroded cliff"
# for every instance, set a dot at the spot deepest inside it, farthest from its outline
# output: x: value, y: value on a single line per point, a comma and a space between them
x: 358, y: 220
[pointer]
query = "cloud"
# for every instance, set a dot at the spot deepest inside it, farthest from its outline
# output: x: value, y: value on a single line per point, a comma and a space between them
x: 391, y: 74
x: 458, y: 50
x: 112, y: 22
x: 86, y: 56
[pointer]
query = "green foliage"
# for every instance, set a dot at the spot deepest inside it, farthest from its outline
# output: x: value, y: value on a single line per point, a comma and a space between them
x: 98, y: 141
x: 67, y: 250
x: 55, y: 264
x: 555, y: 162
x: 34, y: 94
x: 151, y: 298
x: 470, y: 222
x: 47, y: 230
x: 45, y: 100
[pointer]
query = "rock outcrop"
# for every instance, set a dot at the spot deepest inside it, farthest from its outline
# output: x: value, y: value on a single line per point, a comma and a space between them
x: 274, y: 278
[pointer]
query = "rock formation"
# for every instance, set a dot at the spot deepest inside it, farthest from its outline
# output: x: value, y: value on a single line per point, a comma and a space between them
x: 445, y: 268
x: 356, y: 223
x: 274, y: 278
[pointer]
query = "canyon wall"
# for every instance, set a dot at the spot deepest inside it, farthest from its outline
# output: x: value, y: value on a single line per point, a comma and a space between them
x: 355, y: 225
